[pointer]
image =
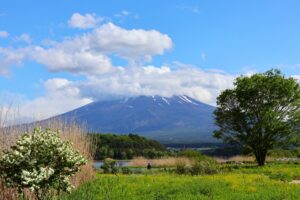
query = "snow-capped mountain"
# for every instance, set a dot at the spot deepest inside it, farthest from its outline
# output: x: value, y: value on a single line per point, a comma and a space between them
x: 174, y: 119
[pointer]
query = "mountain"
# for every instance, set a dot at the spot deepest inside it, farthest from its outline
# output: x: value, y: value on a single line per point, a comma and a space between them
x: 178, y: 119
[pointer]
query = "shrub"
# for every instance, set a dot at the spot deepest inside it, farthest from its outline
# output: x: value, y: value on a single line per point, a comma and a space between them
x: 109, y: 166
x: 126, y: 170
x: 204, y: 166
x: 281, y: 153
x: 201, y: 164
x: 40, y: 161
x: 296, y: 152
x: 181, y: 167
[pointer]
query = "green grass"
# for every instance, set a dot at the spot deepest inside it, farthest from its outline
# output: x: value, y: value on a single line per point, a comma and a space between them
x: 241, y: 184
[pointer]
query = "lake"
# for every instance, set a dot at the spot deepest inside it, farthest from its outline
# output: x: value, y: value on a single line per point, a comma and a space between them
x: 119, y: 163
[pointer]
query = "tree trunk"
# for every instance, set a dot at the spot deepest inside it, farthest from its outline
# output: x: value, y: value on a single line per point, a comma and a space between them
x: 261, y: 157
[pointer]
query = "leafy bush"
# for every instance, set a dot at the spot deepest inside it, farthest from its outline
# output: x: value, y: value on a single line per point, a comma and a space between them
x: 40, y: 161
x: 109, y: 166
x: 201, y: 164
x: 281, y: 153
x: 181, y: 167
x: 296, y: 152
x: 126, y: 170
x: 204, y: 166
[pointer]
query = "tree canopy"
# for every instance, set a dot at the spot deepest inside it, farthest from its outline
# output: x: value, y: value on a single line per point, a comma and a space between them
x: 261, y: 112
x: 126, y: 146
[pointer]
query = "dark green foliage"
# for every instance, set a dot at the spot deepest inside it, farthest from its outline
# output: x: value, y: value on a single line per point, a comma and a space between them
x: 201, y: 164
x: 285, y: 153
x: 260, y: 113
x: 204, y: 165
x: 181, y: 168
x: 190, y: 153
x: 126, y: 147
x: 109, y: 166
x: 126, y: 170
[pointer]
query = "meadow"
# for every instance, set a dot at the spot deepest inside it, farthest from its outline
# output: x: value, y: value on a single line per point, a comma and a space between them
x: 202, y: 177
x: 270, y: 182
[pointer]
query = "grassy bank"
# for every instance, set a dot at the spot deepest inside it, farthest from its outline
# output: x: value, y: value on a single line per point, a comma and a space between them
x: 270, y: 182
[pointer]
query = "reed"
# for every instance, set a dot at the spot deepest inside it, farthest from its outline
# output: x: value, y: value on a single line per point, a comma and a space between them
x: 160, y: 162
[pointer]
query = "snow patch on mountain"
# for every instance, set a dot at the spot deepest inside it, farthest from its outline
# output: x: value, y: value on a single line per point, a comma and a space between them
x: 165, y: 100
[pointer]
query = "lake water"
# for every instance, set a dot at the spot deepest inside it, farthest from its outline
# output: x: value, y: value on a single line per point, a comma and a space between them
x: 119, y: 163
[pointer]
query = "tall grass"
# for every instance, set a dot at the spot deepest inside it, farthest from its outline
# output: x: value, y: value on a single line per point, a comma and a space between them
x: 69, y: 131
x: 239, y: 158
x: 160, y: 162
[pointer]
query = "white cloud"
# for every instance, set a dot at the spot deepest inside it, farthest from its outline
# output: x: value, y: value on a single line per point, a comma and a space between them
x: 77, y: 61
x: 9, y: 57
x: 150, y: 80
x: 125, y: 14
x: 89, y: 53
x: 3, y: 34
x: 83, y: 21
x: 23, y: 38
x: 60, y: 96
x: 130, y: 44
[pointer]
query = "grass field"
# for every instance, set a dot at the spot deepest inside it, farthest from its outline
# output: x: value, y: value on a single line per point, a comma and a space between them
x: 264, y: 183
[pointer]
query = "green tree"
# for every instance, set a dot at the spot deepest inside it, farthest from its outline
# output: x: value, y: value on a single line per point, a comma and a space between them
x: 261, y: 112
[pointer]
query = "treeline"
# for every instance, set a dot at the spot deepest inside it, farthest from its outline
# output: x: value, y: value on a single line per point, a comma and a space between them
x: 126, y: 147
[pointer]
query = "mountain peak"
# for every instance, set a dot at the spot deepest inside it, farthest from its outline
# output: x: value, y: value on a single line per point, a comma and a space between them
x: 168, y: 119
x: 179, y: 99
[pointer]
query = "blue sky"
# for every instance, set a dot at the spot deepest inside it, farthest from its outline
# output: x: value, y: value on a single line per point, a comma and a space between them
x: 198, y: 48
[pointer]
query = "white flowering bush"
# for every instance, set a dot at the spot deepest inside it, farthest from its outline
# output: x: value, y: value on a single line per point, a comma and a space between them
x: 40, y: 161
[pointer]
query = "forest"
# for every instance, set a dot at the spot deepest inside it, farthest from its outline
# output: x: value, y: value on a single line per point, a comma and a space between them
x: 123, y: 147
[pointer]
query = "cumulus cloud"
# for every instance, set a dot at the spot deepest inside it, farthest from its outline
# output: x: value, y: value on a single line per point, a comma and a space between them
x: 60, y: 96
x: 4, y: 34
x: 77, y: 62
x: 89, y: 53
x: 9, y: 57
x: 150, y: 80
x: 83, y: 21
x: 130, y: 44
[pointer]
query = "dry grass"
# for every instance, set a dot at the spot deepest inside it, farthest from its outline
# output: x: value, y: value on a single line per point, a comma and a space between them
x: 235, y: 159
x: 160, y: 162
x: 247, y: 159
x: 69, y: 131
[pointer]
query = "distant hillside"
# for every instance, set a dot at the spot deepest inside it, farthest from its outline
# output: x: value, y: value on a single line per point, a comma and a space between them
x: 123, y: 147
x: 170, y: 120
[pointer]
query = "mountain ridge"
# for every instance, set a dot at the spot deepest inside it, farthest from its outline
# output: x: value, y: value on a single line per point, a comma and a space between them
x: 173, y: 119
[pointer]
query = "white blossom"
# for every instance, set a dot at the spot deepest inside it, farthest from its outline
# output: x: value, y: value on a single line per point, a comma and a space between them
x: 40, y: 160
